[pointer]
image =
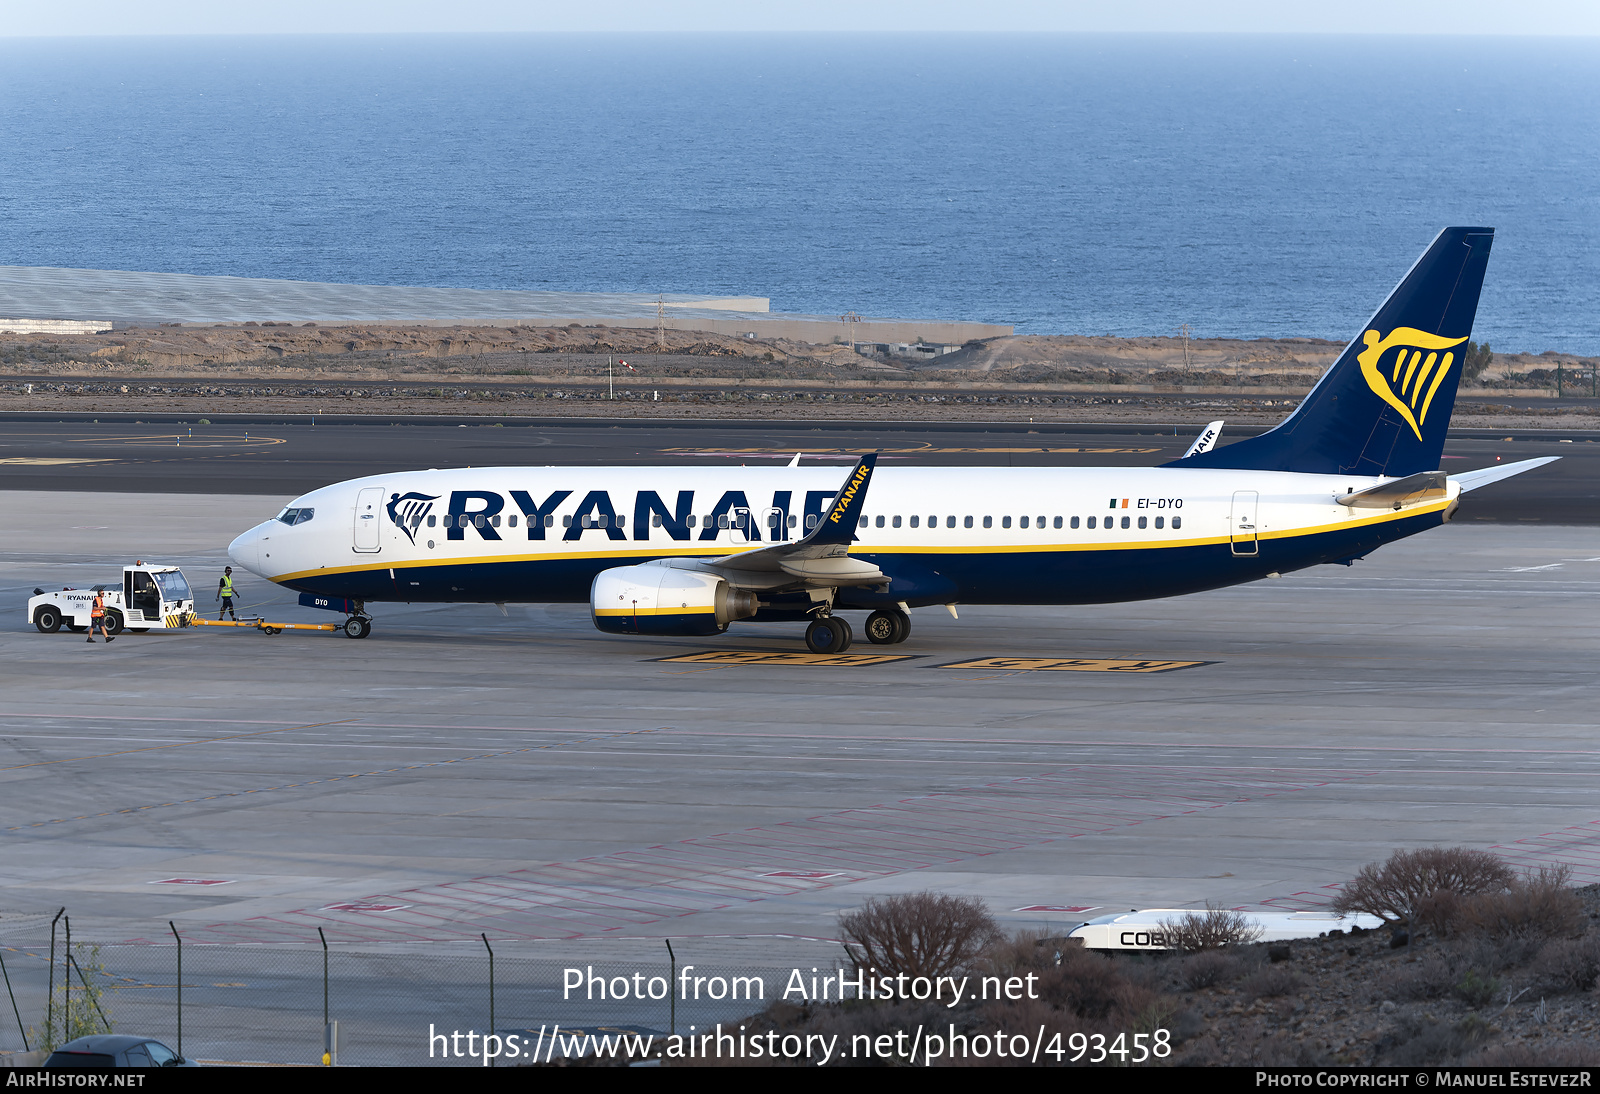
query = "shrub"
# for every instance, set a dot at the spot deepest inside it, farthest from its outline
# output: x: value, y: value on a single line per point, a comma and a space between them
x: 1427, y: 1041
x: 1209, y: 930
x: 1538, y: 905
x: 1395, y: 890
x: 1207, y: 969
x: 918, y: 934
x: 1568, y: 965
x: 1273, y: 980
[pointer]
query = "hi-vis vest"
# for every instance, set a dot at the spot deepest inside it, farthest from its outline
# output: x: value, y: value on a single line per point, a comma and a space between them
x: 99, y: 609
x: 227, y: 586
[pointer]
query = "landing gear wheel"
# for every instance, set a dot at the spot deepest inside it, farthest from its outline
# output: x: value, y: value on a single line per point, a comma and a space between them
x: 48, y: 620
x: 847, y: 636
x: 830, y: 635
x: 886, y: 628
x: 357, y: 627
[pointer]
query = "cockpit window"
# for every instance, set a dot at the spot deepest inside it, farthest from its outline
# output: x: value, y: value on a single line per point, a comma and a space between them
x: 296, y: 516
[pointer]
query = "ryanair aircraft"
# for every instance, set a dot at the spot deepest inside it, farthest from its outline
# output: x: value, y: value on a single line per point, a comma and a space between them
x: 690, y: 550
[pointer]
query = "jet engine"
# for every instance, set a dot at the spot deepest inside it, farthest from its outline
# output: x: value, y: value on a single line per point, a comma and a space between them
x: 658, y: 599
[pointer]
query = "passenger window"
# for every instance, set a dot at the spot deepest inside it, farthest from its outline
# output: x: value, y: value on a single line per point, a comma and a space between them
x: 549, y: 520
x: 722, y: 520
x: 511, y: 521
x: 811, y: 521
x: 690, y: 520
x: 968, y: 522
x: 1142, y: 522
x: 1160, y: 521
x: 655, y: 520
x: 793, y: 520
x: 622, y: 521
x: 1005, y: 522
x: 1124, y: 522
x: 566, y: 521
x: 1091, y: 521
x: 1040, y: 523
x: 915, y: 521
x: 896, y: 522
x: 1074, y: 521
x: 430, y: 521
x: 1177, y: 522
x: 495, y: 521
x: 1058, y: 522
x: 1022, y: 523
x: 605, y: 521
x: 772, y: 520
x: 880, y: 522
x: 988, y: 522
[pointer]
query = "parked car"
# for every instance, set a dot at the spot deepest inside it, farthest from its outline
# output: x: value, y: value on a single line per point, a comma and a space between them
x: 116, y: 1050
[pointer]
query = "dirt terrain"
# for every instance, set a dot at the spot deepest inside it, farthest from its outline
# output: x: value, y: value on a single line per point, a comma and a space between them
x: 628, y: 372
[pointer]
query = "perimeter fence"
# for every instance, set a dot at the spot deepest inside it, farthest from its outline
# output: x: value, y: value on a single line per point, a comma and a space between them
x: 385, y: 1004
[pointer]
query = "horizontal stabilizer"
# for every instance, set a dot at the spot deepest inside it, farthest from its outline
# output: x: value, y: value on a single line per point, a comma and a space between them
x: 1471, y: 480
x: 1398, y: 493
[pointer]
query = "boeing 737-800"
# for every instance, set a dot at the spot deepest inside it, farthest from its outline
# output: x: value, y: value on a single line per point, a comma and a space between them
x: 691, y: 550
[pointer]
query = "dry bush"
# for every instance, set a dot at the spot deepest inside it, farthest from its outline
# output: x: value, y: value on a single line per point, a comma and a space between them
x: 1208, y: 968
x: 918, y: 934
x: 1426, y: 1041
x: 1538, y: 905
x: 1272, y: 980
x: 1394, y: 890
x: 1568, y: 964
x: 1209, y: 930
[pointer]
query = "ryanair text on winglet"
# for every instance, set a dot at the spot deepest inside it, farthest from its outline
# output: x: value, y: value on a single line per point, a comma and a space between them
x: 843, y: 504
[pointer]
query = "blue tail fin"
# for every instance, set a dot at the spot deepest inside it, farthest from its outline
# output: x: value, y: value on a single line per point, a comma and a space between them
x: 1384, y: 406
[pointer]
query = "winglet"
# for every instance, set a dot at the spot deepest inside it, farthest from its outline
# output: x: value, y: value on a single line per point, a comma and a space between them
x: 1205, y: 442
x: 838, y: 524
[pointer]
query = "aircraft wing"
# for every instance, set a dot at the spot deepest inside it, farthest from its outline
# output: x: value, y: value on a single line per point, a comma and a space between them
x: 1471, y: 480
x: 819, y: 559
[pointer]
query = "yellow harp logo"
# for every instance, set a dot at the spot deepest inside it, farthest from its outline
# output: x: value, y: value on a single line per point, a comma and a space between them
x: 1412, y: 375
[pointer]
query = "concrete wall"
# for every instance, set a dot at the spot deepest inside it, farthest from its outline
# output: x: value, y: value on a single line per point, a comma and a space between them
x: 54, y: 326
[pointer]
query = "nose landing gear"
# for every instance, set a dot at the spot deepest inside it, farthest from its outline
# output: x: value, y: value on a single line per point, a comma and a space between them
x: 357, y: 626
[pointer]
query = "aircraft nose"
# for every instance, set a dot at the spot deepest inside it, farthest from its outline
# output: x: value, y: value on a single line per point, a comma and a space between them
x: 246, y: 550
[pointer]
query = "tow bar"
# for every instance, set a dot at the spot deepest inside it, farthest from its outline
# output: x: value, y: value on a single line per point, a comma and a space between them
x: 263, y: 626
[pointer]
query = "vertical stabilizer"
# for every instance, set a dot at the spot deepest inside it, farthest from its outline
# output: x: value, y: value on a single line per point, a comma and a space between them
x: 1384, y: 406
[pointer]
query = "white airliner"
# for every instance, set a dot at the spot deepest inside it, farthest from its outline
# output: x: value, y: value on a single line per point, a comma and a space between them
x: 691, y: 550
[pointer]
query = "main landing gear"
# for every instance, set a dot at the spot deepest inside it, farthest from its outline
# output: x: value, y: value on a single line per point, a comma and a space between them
x: 831, y: 634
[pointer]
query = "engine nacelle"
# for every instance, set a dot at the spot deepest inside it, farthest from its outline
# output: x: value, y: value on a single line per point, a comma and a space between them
x: 657, y: 599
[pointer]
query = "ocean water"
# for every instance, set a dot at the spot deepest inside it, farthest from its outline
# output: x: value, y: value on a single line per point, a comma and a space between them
x: 1245, y: 185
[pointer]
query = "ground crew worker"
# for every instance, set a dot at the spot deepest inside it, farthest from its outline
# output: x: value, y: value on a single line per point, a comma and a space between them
x: 97, y: 617
x: 225, y: 593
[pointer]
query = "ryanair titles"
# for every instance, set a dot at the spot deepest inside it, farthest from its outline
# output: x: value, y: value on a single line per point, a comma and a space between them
x: 493, y: 515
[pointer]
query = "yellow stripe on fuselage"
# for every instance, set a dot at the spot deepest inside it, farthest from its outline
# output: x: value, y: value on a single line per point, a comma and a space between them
x: 645, y: 547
